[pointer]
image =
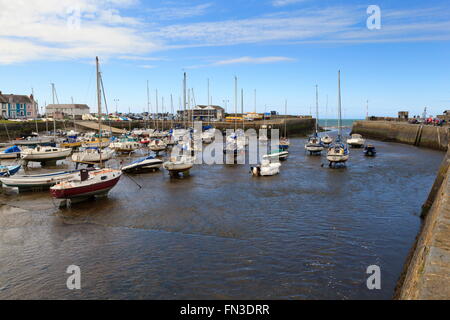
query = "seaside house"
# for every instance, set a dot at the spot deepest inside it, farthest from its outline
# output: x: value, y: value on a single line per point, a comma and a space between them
x: 18, y: 106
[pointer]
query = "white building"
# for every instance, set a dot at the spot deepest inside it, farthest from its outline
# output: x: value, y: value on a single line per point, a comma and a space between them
x: 67, y: 110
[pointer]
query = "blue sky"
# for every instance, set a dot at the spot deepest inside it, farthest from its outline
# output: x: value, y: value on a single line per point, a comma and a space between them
x: 281, y: 48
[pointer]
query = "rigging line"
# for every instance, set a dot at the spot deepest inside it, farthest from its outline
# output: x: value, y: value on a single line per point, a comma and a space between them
x: 106, y: 104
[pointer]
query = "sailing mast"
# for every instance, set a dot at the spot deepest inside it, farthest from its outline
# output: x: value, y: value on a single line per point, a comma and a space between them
x: 148, y: 104
x: 184, y: 100
x: 99, y: 104
x: 242, y: 109
x: 235, y: 102
x: 285, y: 120
x: 317, y: 109
x: 339, y: 105
x: 157, y: 117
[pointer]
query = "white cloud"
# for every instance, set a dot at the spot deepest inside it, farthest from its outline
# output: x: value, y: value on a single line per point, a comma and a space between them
x: 253, y: 60
x: 178, y: 12
x: 282, y: 3
x: 48, y: 29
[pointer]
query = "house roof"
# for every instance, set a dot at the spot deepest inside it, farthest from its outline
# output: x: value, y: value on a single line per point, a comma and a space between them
x: 14, y: 98
x: 209, y: 107
x: 67, y: 106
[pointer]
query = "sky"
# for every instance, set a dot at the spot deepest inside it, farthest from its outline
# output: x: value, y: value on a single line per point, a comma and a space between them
x: 280, y: 48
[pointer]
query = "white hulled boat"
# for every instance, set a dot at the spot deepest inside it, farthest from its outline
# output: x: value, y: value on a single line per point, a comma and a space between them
x: 266, y: 168
x: 93, y: 155
x: 39, y: 181
x: 356, y: 141
x: 45, y: 154
x: 143, y: 165
x: 314, y: 144
x: 338, y: 152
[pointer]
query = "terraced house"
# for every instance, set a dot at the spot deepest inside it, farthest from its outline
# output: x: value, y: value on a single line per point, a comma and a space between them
x: 17, y: 106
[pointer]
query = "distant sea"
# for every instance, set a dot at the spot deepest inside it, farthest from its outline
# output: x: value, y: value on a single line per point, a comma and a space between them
x: 333, y: 123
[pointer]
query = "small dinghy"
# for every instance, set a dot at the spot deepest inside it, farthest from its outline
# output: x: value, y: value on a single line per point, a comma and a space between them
x: 277, y: 154
x: 39, y: 181
x: 10, y: 153
x: 6, y: 171
x: 266, y: 168
x: 88, y: 184
x: 370, y: 151
x: 143, y: 165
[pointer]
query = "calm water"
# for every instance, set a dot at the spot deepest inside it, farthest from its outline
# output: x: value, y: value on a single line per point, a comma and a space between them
x: 308, y: 233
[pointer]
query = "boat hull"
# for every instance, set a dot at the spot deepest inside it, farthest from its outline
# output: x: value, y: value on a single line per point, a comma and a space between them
x: 37, y: 182
x: 100, y: 188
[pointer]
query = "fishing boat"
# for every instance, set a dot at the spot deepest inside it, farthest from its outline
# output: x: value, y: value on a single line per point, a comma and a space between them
x: 266, y: 168
x: 92, y: 155
x: 370, y: 150
x: 314, y: 144
x: 10, y: 153
x: 45, y: 154
x: 338, y: 151
x: 326, y: 139
x: 277, y: 154
x: 143, y: 165
x: 88, y: 184
x: 157, y: 145
x: 39, y: 181
x: 356, y: 141
x: 180, y: 164
x: 6, y: 171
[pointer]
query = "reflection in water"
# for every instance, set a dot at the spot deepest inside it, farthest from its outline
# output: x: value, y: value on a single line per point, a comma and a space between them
x: 308, y: 233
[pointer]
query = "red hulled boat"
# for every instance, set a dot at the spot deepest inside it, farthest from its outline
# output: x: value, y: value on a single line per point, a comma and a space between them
x: 91, y: 183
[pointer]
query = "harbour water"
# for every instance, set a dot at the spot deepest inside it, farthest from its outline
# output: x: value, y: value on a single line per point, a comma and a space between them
x: 308, y: 233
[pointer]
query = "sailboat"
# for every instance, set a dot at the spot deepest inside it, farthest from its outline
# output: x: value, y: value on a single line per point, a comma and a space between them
x: 91, y: 182
x: 326, y: 139
x: 45, y: 154
x: 314, y: 144
x: 10, y: 153
x: 338, y: 151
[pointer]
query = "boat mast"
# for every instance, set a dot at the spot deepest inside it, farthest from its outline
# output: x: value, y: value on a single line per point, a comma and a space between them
x: 285, y: 118
x: 148, y: 105
x: 171, y: 110
x: 157, y: 117
x: 99, y: 104
x: 339, y: 105
x: 184, y: 100
x: 317, y: 109
x: 242, y: 109
x: 367, y: 110
x: 235, y: 102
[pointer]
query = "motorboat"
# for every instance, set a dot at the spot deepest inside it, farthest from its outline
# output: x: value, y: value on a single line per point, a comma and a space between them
x: 326, y: 140
x: 370, y: 150
x: 356, y: 141
x: 157, y: 145
x: 92, y: 155
x: 180, y: 164
x: 277, y: 155
x: 45, y: 154
x: 6, y: 171
x: 142, y: 165
x: 10, y: 153
x: 89, y: 184
x: 39, y: 181
x: 266, y: 168
x: 125, y: 146
x: 314, y: 145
